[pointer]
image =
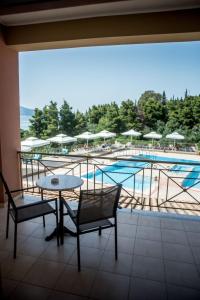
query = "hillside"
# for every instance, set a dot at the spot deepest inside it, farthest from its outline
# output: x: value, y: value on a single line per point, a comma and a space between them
x: 26, y: 111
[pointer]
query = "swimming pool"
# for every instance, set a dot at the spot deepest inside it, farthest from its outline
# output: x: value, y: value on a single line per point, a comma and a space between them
x: 130, y: 174
x: 166, y: 159
x: 192, y: 178
x: 124, y: 172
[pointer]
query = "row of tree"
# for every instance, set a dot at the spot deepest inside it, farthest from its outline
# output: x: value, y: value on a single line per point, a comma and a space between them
x: 152, y: 111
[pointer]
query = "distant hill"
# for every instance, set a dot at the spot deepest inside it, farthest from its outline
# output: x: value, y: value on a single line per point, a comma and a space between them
x: 26, y: 111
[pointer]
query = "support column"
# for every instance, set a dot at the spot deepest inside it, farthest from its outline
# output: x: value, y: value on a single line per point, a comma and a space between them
x: 9, y: 116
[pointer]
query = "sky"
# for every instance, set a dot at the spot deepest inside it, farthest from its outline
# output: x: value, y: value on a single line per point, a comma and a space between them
x: 97, y: 75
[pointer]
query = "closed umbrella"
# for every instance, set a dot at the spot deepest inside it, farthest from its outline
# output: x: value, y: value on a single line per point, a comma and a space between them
x: 105, y: 134
x: 86, y: 136
x: 153, y: 135
x: 175, y: 136
x: 131, y: 133
x: 34, y: 142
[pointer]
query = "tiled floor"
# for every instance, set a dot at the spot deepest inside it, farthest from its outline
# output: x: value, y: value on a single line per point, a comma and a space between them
x: 159, y: 258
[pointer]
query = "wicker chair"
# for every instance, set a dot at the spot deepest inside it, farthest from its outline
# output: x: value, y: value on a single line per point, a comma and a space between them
x: 26, y: 212
x: 95, y: 209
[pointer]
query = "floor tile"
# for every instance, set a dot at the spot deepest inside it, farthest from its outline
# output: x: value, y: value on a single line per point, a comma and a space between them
x: 125, y: 245
x: 196, y: 253
x: 74, y: 282
x: 143, y: 289
x: 27, y: 228
x: 149, y: 233
x: 41, y: 232
x: 33, y: 246
x: 148, y: 248
x: 128, y: 218
x: 126, y: 230
x: 29, y: 292
x: 110, y: 286
x: 167, y: 223
x: 120, y: 266
x: 8, y: 286
x: 90, y: 257
x: 174, y: 236
x: 177, y: 252
x: 148, y: 268
x: 17, y: 268
x: 182, y: 293
x: 55, y: 295
x: 183, y: 274
x: 44, y: 273
x: 193, y: 226
x: 59, y: 254
x: 194, y: 238
x: 149, y: 221
x: 94, y: 240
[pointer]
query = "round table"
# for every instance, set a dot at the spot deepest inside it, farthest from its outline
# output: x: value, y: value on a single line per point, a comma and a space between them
x: 64, y: 183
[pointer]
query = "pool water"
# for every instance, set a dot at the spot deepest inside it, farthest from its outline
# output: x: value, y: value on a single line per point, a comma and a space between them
x: 192, y: 179
x: 126, y: 172
x: 166, y: 159
x: 122, y: 172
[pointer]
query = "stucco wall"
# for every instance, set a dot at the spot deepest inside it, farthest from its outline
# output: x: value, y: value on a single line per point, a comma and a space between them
x: 9, y: 116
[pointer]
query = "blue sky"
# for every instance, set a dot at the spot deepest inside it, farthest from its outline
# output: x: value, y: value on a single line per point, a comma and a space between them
x: 96, y: 75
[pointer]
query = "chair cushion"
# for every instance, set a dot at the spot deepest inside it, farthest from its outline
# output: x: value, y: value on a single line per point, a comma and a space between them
x: 32, y: 211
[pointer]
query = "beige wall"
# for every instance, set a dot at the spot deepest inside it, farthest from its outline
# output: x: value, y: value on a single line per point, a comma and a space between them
x: 9, y: 115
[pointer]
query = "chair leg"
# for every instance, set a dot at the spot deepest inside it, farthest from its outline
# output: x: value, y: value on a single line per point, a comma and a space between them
x: 15, y: 241
x: 100, y: 230
x: 42, y: 197
x: 57, y: 227
x: 78, y: 252
x: 116, y: 250
x: 43, y: 221
x: 7, y: 224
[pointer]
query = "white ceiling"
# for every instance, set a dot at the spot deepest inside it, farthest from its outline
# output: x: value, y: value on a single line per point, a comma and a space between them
x: 97, y: 10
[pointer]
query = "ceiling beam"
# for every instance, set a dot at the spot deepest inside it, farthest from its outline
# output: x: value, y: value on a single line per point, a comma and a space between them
x: 180, y: 25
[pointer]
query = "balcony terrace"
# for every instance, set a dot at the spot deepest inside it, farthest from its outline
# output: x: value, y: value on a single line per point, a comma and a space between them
x: 158, y: 259
x: 158, y: 243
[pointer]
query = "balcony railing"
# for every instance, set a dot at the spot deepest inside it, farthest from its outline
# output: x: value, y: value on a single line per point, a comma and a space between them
x: 147, y: 184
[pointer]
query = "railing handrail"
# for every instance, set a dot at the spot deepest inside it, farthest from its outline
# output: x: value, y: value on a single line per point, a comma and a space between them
x: 88, y: 157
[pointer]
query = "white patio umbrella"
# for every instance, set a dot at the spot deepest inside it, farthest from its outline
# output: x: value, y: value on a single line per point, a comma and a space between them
x: 62, y: 139
x: 175, y: 136
x: 34, y: 142
x: 131, y: 133
x: 105, y: 134
x: 152, y: 135
x: 86, y: 136
x: 25, y: 148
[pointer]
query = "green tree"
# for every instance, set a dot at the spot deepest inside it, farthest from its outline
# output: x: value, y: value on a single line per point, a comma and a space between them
x: 67, y: 119
x: 111, y: 120
x: 80, y: 123
x: 128, y: 113
x: 37, y: 125
x: 51, y: 120
x: 151, y: 109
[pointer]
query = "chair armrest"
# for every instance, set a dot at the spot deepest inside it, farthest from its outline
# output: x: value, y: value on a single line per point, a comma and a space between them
x: 25, y: 189
x: 36, y: 203
x: 69, y: 210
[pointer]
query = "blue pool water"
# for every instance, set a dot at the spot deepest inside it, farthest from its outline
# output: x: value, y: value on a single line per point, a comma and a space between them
x: 122, y: 172
x: 167, y: 159
x: 192, y: 179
